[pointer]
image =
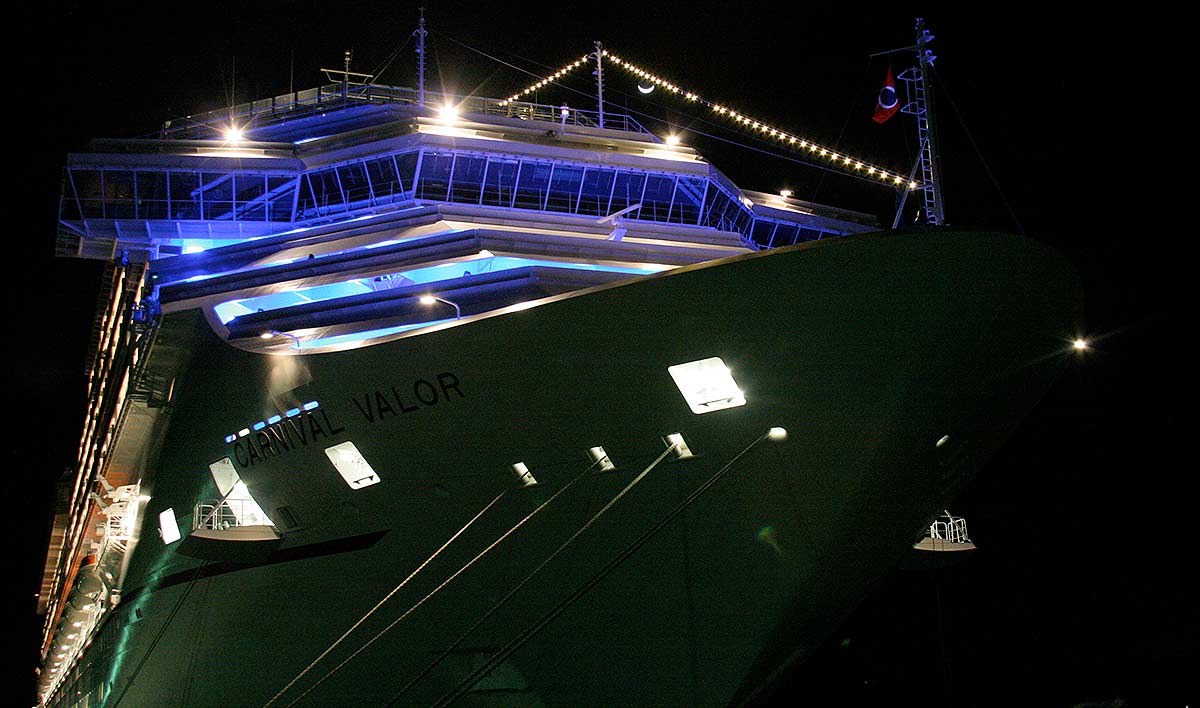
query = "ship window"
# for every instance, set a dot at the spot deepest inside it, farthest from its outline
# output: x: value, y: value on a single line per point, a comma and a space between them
x: 531, y: 187
x: 168, y: 527
x: 354, y: 182
x: 564, y: 188
x: 407, y: 164
x: 384, y: 181
x: 185, y: 195
x: 689, y: 195
x: 280, y: 191
x: 468, y: 179
x: 501, y: 182
x: 627, y: 191
x: 353, y: 467
x: 656, y: 202
x: 435, y: 175
x: 152, y: 195
x: 707, y: 385
x: 597, y: 187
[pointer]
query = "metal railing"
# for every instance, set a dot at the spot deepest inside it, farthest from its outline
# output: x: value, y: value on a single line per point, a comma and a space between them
x: 278, y: 109
x: 218, y: 515
x: 953, y: 530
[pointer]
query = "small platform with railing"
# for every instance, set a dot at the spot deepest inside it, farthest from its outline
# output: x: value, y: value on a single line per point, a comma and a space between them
x: 946, y: 533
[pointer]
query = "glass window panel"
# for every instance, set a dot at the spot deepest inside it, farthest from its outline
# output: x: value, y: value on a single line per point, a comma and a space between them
x: 689, y: 192
x: 434, y: 181
x: 118, y: 193
x: 218, y: 195
x: 468, y: 179
x: 564, y: 188
x: 763, y: 228
x: 248, y: 191
x: 809, y: 234
x: 535, y: 180
x: 89, y: 186
x: 354, y: 182
x: 741, y: 218
x: 305, y: 201
x: 785, y: 234
x: 152, y: 195
x: 627, y: 191
x: 501, y: 181
x: 597, y: 186
x: 281, y: 191
x: 326, y: 190
x: 656, y: 203
x: 407, y: 164
x: 384, y: 180
x: 185, y: 195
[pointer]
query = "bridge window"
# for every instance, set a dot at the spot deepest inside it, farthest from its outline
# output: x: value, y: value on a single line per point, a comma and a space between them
x: 436, y: 169
x: 597, y: 188
x: 532, y: 184
x: 501, y: 183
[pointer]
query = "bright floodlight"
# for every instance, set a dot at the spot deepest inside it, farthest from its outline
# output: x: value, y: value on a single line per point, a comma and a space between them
x: 233, y: 134
x: 266, y: 335
x: 785, y: 193
x: 448, y: 113
x: 777, y: 434
x: 1080, y: 344
x: 672, y: 139
x: 428, y: 299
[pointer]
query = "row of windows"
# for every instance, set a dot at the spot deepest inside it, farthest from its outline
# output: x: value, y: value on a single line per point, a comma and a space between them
x: 435, y: 175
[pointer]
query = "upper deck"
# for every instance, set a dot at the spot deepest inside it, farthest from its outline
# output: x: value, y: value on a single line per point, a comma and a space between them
x: 323, y: 155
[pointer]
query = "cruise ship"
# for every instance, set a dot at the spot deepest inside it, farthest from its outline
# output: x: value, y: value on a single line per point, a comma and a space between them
x: 398, y: 397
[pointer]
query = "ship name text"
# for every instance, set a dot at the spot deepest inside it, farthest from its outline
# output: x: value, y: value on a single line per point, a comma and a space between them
x: 286, y: 435
x: 376, y: 405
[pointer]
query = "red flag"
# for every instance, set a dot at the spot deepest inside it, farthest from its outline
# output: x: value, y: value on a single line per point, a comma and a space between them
x: 887, y: 104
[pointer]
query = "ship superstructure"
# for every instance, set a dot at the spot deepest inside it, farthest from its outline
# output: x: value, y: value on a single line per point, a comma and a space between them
x: 338, y: 322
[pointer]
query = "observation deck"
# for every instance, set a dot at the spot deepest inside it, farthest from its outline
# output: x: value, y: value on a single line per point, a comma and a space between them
x: 329, y: 155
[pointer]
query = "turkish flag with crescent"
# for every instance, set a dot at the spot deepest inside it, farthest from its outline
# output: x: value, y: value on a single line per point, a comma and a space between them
x: 887, y: 104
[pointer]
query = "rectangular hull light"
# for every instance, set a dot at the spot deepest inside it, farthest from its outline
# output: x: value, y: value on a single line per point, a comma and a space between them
x: 707, y: 385
x: 351, y: 465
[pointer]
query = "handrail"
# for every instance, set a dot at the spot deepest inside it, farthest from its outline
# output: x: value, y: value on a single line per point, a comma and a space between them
x: 278, y: 109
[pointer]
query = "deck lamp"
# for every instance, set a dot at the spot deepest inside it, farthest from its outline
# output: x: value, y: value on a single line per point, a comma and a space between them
x: 272, y: 333
x: 430, y: 299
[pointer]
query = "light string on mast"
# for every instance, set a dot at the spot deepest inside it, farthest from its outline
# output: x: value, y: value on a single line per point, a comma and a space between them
x: 833, y: 157
x: 547, y: 80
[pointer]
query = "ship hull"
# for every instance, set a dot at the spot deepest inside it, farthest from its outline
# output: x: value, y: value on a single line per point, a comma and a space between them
x: 868, y: 350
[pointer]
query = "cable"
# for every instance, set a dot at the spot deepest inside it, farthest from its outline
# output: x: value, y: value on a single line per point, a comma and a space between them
x: 978, y: 152
x: 387, y: 597
x: 443, y: 584
x: 521, y: 639
x: 388, y: 62
x: 668, y: 122
x: 511, y: 593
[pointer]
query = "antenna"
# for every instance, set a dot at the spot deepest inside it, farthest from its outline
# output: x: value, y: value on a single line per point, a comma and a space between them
x: 600, y: 81
x: 420, y: 34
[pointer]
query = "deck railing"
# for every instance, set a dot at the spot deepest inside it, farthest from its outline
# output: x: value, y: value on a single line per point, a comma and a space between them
x: 299, y: 104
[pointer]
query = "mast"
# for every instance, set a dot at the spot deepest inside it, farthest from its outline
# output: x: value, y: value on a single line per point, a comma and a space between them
x: 600, y: 82
x: 920, y: 105
x: 420, y: 34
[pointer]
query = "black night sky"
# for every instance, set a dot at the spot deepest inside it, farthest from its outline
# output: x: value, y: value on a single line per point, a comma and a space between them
x: 1077, y: 594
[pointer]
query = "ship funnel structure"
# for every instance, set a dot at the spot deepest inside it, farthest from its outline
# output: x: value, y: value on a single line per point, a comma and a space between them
x: 946, y: 533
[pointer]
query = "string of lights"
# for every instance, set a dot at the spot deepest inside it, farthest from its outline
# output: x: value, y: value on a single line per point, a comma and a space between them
x: 833, y: 157
x: 548, y: 79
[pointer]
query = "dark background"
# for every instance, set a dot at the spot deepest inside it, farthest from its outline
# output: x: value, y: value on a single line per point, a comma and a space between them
x: 1077, y: 593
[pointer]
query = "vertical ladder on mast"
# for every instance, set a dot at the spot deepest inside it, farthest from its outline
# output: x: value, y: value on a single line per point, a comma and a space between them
x: 920, y: 105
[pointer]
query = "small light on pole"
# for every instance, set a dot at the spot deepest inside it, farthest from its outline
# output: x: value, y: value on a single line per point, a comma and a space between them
x: 430, y: 299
